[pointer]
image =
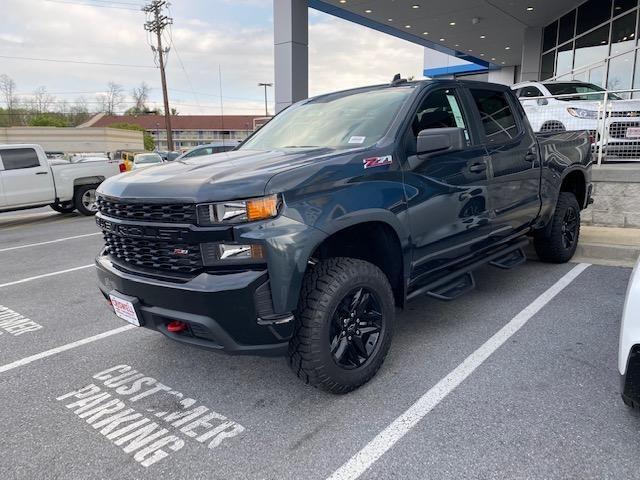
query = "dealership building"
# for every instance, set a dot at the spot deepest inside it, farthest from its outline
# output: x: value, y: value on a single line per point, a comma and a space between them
x: 503, y: 41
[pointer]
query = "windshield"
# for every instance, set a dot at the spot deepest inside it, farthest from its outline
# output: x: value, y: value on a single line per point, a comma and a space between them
x: 151, y: 158
x: 578, y: 91
x: 335, y: 121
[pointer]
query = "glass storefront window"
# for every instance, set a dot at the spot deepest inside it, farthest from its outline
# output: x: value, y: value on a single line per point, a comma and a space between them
x: 567, y: 28
x: 623, y: 34
x: 548, y: 65
x: 620, y: 72
x: 565, y: 59
x: 592, y: 47
x: 550, y: 36
x: 621, y: 6
x: 596, y: 76
x: 592, y: 13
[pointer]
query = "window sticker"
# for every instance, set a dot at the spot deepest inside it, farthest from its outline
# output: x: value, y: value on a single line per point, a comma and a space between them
x: 357, y: 140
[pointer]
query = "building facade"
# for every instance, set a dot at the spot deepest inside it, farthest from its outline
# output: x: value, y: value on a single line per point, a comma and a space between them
x: 188, y: 130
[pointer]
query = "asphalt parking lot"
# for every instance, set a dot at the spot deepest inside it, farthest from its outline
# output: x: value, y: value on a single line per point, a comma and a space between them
x: 517, y: 379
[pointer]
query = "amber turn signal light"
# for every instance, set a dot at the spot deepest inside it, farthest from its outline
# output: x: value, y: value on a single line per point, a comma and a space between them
x: 261, y: 208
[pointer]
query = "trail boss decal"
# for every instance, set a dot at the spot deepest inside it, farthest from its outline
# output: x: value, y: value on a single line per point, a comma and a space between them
x: 377, y: 161
x: 147, y: 419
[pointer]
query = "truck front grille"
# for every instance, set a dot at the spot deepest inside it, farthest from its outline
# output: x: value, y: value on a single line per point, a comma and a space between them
x: 619, y: 129
x: 148, y: 212
x: 156, y: 255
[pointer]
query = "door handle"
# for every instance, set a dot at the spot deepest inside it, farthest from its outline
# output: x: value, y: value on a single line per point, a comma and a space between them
x: 42, y: 173
x: 478, y: 167
x: 530, y: 157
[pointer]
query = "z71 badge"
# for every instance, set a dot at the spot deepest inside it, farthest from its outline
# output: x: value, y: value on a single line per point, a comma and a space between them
x: 377, y: 161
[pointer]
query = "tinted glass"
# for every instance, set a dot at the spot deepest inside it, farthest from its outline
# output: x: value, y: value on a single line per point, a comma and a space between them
x: 341, y: 120
x: 592, y: 13
x: 548, y: 65
x: 528, y: 92
x: 567, y: 27
x: 576, y: 91
x: 623, y: 34
x: 498, y: 120
x: 150, y: 158
x: 593, y: 47
x: 565, y: 59
x: 19, y: 158
x: 441, y: 109
x: 621, y: 6
x: 550, y: 36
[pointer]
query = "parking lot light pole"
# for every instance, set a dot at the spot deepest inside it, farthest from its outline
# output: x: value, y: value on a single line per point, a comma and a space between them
x: 265, y: 85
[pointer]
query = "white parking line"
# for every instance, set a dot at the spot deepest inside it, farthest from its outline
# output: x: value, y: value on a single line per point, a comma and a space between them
x: 48, y: 242
x: 386, y: 439
x: 63, y: 348
x: 46, y: 275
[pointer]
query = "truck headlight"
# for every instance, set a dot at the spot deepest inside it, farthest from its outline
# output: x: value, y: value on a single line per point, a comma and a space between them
x: 582, y: 113
x: 229, y: 253
x: 238, y: 211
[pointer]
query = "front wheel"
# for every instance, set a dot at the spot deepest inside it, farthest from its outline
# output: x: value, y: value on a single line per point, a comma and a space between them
x: 344, y: 325
x: 558, y: 243
x: 85, y: 200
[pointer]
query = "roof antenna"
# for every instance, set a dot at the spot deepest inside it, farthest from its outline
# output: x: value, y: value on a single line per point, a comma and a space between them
x: 397, y: 80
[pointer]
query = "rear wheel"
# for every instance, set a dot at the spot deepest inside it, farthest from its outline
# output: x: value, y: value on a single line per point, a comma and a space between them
x: 85, y: 200
x: 558, y: 243
x: 344, y: 325
x: 66, y: 207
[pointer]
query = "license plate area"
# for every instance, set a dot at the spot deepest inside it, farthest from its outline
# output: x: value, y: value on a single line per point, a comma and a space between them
x: 126, y: 308
x: 633, y: 132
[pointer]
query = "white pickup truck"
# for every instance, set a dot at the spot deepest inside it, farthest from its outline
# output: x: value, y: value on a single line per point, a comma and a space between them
x: 27, y: 180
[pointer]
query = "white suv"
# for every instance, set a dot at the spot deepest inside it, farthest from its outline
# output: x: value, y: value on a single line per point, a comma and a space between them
x: 560, y: 106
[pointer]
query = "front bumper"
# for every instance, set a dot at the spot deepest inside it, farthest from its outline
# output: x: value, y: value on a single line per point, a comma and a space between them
x: 221, y: 310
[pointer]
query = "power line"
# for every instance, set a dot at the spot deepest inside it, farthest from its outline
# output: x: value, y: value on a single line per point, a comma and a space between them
x: 82, y: 62
x: 94, y: 5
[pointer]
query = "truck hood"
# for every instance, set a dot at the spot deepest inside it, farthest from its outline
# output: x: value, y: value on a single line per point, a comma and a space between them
x: 616, y: 105
x: 219, y: 177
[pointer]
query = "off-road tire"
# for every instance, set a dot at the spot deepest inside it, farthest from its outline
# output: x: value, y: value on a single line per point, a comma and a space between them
x: 77, y: 199
x: 66, y: 207
x: 549, y: 243
x: 325, y: 285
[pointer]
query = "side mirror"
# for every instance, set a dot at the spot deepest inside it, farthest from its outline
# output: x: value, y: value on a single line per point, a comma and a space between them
x: 542, y: 102
x: 437, y: 140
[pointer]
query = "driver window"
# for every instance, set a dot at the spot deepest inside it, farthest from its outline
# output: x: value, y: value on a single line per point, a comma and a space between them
x: 441, y: 109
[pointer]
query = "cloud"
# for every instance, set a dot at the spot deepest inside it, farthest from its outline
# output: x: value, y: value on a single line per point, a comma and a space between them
x: 341, y: 55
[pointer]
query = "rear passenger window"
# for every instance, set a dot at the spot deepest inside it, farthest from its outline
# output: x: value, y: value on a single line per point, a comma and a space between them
x: 19, y: 158
x: 498, y: 120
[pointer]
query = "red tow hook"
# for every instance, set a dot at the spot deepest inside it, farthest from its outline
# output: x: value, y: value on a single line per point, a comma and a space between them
x: 176, y: 327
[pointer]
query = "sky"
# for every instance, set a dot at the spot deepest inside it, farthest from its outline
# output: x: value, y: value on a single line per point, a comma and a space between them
x: 208, y: 36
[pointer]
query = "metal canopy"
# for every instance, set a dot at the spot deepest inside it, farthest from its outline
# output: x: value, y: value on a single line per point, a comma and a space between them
x: 455, y: 27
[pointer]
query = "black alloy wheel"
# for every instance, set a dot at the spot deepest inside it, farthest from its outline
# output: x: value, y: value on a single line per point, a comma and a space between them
x: 569, y: 228
x: 355, y: 328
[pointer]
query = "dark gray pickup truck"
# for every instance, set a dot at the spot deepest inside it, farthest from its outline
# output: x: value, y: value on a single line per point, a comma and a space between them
x: 304, y: 239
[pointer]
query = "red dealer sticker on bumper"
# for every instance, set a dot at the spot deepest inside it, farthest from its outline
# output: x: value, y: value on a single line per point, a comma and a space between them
x: 377, y: 161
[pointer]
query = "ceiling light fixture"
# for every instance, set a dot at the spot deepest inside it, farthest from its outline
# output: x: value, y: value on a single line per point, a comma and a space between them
x: 415, y: 6
x: 368, y: 11
x: 425, y: 33
x: 452, y: 24
x: 507, y: 48
x: 529, y: 9
x: 389, y: 19
x: 442, y: 39
x: 407, y: 26
x: 483, y: 36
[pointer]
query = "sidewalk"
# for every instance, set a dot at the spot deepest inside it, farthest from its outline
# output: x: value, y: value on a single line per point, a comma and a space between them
x: 608, y: 246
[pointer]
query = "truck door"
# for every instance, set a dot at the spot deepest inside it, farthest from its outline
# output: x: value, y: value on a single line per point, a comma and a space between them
x: 514, y: 186
x: 447, y: 191
x: 26, y: 179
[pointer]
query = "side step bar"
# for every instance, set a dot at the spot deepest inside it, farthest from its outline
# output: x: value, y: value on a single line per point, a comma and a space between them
x: 457, y: 283
x: 510, y: 260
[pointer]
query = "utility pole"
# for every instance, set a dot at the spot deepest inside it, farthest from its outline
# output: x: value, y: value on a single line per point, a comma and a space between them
x: 156, y: 23
x: 265, y: 85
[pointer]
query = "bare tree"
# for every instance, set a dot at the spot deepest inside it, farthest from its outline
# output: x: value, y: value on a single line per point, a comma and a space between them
x: 110, y: 100
x: 140, y: 97
x: 8, y: 92
x: 41, y: 100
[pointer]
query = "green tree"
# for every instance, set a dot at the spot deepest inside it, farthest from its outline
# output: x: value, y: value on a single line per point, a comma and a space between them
x: 48, y: 120
x: 149, y: 142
